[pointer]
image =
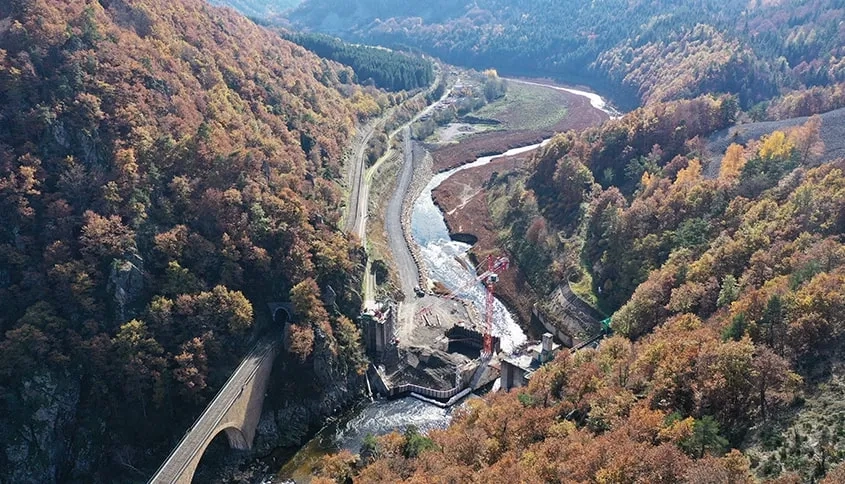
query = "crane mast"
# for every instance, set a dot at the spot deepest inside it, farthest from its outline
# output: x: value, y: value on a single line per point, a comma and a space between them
x: 490, y: 278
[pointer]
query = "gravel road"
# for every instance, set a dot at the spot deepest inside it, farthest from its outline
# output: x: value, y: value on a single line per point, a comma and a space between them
x: 357, y: 211
x: 407, y: 267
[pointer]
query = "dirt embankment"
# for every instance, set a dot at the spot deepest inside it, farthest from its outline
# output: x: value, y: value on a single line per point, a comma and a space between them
x: 463, y: 199
x: 464, y: 204
x: 581, y: 115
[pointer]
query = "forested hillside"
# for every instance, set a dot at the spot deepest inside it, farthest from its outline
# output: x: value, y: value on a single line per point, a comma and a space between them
x: 726, y: 291
x: 648, y: 51
x: 260, y: 8
x: 386, y: 69
x: 166, y: 169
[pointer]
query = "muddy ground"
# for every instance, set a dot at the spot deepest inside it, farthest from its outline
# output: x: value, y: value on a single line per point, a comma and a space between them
x: 464, y: 204
x: 581, y: 115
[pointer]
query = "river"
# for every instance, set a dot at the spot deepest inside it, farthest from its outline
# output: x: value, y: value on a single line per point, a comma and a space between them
x: 439, y: 253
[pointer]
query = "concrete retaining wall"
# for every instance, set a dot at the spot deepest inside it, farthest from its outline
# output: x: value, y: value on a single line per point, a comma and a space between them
x: 380, y: 385
x: 560, y: 335
x: 580, y: 304
x: 449, y: 403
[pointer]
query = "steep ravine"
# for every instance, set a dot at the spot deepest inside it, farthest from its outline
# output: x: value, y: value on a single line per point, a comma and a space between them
x: 439, y: 252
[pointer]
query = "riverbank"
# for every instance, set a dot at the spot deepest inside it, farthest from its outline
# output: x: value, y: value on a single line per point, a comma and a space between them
x: 581, y: 114
x: 463, y: 201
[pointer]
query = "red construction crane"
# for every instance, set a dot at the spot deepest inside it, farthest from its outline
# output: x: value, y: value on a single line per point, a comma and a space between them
x: 500, y: 264
x: 490, y: 278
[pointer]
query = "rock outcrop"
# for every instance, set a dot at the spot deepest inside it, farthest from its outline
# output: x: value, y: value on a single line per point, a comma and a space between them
x: 294, y: 407
x: 126, y: 286
x: 38, y: 449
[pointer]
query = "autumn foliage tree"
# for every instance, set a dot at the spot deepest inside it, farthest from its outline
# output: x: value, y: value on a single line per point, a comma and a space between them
x: 733, y: 162
x: 579, y: 419
x: 166, y: 169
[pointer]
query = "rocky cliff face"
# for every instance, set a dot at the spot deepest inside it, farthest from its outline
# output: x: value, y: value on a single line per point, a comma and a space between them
x: 301, y: 396
x: 125, y: 286
x: 37, y: 449
x: 56, y: 446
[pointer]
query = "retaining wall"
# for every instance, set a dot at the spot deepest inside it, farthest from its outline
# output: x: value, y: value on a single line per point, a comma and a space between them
x: 560, y: 335
x: 381, y: 386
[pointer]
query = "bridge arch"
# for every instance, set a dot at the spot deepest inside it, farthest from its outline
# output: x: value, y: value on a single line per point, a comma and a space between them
x: 227, y: 435
x: 235, y: 412
x: 236, y: 437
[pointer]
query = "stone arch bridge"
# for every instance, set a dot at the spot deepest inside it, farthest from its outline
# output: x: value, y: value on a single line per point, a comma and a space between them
x: 235, y: 410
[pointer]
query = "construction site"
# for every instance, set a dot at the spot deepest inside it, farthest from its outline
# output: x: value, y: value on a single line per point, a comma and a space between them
x: 436, y: 330
x: 437, y: 347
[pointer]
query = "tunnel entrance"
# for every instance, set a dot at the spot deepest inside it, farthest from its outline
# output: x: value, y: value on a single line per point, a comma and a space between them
x: 281, y: 316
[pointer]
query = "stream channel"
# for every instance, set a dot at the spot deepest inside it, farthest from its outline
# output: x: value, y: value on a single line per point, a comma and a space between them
x: 441, y: 255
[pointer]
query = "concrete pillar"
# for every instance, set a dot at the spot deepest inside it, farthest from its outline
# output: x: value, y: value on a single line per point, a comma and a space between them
x: 381, y: 338
x: 506, y: 377
x: 547, y: 343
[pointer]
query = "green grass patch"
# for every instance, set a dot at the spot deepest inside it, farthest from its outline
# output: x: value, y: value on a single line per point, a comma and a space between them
x: 584, y: 289
x: 526, y: 107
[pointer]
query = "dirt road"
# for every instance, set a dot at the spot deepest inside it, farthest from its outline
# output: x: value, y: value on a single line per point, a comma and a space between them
x: 357, y: 211
x: 406, y: 266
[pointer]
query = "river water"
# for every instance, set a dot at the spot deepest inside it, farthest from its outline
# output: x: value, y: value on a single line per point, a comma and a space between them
x: 347, y: 432
x: 440, y: 255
